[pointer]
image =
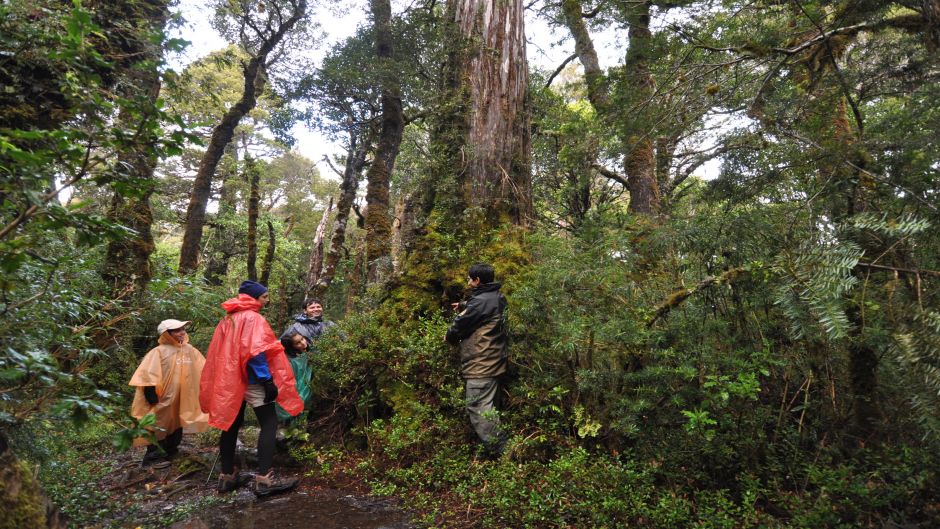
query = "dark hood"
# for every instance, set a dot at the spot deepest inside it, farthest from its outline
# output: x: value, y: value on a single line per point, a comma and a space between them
x: 486, y: 287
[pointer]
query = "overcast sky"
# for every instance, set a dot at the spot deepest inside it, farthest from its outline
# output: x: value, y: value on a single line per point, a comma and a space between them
x: 542, y: 52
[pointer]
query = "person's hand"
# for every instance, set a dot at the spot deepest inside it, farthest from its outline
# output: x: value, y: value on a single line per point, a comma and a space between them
x: 270, y: 391
x: 454, y: 306
x: 150, y: 393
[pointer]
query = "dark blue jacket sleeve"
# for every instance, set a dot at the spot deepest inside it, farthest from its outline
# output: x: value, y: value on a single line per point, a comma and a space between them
x: 258, y: 369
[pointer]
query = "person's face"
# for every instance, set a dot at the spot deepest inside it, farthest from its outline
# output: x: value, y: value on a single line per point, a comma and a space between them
x: 299, y: 343
x: 473, y: 282
x: 314, y: 310
x: 264, y: 299
x: 178, y: 334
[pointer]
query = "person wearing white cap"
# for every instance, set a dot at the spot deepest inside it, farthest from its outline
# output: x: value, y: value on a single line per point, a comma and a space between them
x: 167, y: 383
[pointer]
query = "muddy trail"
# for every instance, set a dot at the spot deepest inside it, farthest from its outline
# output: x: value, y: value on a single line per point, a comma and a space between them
x: 321, y: 509
x: 181, y: 494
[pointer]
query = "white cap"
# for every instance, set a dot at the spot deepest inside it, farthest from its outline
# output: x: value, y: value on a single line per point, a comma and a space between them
x: 170, y: 325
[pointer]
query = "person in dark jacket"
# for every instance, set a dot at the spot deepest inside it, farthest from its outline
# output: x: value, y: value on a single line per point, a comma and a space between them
x: 310, y: 322
x: 480, y: 331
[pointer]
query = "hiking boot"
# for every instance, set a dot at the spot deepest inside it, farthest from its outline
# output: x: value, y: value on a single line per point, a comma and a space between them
x: 268, y: 484
x: 230, y: 482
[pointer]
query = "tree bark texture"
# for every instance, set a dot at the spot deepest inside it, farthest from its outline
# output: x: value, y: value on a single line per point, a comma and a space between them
x: 355, y: 161
x: 495, y: 76
x: 378, y: 216
x: 639, y: 159
x: 255, y: 78
x: 254, y: 196
x: 584, y: 47
x: 127, y: 262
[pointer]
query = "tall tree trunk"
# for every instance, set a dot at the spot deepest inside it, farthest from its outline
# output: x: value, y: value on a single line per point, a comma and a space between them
x: 315, y: 266
x: 268, y: 261
x: 639, y: 160
x: 254, y: 196
x: 255, y: 78
x: 224, y: 243
x: 378, y: 219
x: 127, y: 262
x: 126, y: 268
x: 355, y: 161
x: 593, y: 75
x: 579, y: 182
x: 495, y: 75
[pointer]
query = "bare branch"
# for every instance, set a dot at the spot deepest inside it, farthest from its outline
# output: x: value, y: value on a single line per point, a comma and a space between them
x: 561, y: 67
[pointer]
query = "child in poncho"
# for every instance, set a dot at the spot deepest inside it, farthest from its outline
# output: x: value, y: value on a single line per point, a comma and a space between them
x: 167, y: 382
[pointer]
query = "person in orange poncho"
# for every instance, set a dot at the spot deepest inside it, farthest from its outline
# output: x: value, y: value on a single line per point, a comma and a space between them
x: 246, y: 365
x: 167, y: 382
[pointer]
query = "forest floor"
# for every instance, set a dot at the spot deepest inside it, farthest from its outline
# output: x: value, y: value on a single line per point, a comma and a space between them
x: 181, y: 494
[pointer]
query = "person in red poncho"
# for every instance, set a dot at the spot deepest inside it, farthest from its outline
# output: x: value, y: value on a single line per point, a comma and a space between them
x: 246, y: 365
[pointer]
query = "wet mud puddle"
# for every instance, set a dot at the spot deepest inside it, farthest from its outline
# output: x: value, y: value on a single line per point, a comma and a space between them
x: 320, y: 509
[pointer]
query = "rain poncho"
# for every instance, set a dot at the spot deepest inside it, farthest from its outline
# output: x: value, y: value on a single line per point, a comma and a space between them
x: 173, y: 369
x: 242, y: 334
x: 302, y: 374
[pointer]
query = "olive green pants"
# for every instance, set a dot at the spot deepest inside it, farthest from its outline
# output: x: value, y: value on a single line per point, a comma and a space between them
x: 482, y: 396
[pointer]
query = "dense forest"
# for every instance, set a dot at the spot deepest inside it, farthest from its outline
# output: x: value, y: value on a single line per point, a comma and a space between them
x: 719, y: 250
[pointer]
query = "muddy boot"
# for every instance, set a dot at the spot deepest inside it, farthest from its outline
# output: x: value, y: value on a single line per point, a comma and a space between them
x: 230, y: 482
x: 268, y: 484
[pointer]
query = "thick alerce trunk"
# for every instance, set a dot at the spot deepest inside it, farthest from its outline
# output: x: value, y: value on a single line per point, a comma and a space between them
x: 495, y: 76
x: 224, y: 241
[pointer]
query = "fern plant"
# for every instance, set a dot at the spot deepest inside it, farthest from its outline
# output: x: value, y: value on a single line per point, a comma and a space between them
x: 815, y: 280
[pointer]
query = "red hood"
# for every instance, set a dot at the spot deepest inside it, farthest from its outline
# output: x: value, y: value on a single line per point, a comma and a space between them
x: 242, y: 302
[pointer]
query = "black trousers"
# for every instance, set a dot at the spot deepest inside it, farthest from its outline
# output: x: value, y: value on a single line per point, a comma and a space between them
x: 170, y: 444
x: 267, y: 418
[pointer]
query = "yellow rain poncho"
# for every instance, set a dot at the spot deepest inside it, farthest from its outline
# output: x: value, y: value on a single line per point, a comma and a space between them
x: 174, y: 369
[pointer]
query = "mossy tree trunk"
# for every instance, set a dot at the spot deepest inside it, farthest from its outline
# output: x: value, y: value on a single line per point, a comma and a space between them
x: 126, y: 268
x: 22, y: 501
x: 584, y: 46
x: 639, y: 157
x: 378, y: 216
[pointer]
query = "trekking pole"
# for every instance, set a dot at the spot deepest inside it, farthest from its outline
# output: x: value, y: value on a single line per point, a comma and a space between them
x: 213, y: 468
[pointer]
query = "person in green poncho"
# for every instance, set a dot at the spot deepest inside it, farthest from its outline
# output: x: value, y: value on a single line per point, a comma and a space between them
x: 295, y: 345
